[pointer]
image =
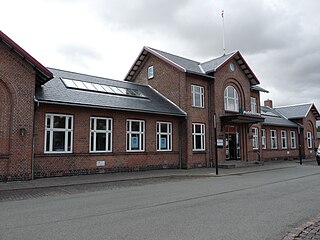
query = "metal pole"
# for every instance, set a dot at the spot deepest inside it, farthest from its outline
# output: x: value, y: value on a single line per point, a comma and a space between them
x: 223, y: 40
x: 216, y: 143
x: 299, y: 142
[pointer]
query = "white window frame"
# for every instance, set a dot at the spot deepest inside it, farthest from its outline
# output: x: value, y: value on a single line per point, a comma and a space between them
x: 284, y: 142
x: 150, y: 72
x: 263, y: 139
x: 200, y: 135
x: 275, y: 138
x: 293, y: 140
x: 94, y: 131
x: 228, y: 99
x: 253, y: 105
x: 166, y: 135
x: 309, y: 139
x: 197, y: 93
x: 140, y: 133
x: 255, y: 138
x: 51, y: 130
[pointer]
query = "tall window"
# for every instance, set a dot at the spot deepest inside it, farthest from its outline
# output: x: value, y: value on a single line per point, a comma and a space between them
x: 100, y: 134
x: 198, y: 136
x: 197, y: 96
x: 273, y: 138
x: 150, y: 72
x: 231, y: 99
x: 59, y: 133
x: 263, y: 139
x: 135, y: 135
x: 284, y: 144
x: 164, y: 136
x: 293, y: 139
x: 253, y: 105
x: 255, y: 138
x: 309, y: 139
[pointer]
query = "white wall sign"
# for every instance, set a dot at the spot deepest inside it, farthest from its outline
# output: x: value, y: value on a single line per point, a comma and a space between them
x: 101, y: 163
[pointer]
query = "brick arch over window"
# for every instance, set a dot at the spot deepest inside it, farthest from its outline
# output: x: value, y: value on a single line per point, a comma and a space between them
x: 238, y: 88
x: 5, y: 118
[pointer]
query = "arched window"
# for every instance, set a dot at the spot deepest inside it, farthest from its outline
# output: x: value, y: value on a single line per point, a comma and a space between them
x: 231, y: 99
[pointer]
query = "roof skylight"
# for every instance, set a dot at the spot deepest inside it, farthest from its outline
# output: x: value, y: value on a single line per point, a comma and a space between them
x: 96, y: 87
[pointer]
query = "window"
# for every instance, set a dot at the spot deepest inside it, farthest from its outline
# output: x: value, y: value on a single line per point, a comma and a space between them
x: 135, y: 135
x: 253, y: 105
x: 102, y: 88
x: 150, y: 72
x: 293, y: 139
x: 59, y: 133
x: 100, y: 134
x: 255, y: 138
x: 263, y: 139
x: 309, y: 139
x: 231, y: 99
x: 284, y: 139
x: 198, y: 136
x: 274, y: 140
x: 197, y: 96
x: 164, y: 136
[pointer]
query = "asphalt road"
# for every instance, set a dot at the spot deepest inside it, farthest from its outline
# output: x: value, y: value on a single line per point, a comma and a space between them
x: 259, y: 205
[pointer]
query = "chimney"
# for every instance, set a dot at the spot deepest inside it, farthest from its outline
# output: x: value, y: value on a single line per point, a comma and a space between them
x: 268, y: 103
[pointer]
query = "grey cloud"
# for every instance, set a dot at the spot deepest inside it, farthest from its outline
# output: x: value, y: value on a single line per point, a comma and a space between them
x: 281, y: 38
x: 79, y: 54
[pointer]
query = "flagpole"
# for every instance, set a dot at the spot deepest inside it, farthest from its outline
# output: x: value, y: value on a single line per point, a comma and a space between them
x: 223, y: 40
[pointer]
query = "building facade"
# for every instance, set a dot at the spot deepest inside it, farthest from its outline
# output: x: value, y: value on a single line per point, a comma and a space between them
x: 170, y: 112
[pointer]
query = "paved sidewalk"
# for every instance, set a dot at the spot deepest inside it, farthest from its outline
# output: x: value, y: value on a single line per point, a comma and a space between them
x: 241, y: 168
x: 307, y: 231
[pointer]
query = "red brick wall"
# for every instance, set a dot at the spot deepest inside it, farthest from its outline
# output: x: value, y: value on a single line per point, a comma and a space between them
x: 17, y: 84
x: 309, y: 124
x: 225, y: 77
x: 81, y: 161
x: 279, y: 153
x: 176, y: 86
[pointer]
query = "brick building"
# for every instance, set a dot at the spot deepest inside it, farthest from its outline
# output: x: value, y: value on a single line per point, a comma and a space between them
x: 171, y: 112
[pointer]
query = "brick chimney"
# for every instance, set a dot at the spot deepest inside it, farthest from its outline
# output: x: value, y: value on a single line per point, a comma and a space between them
x: 268, y: 103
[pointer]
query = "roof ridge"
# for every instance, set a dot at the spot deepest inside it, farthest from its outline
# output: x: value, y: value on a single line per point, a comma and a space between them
x: 175, y: 55
x: 219, y: 57
x: 293, y: 105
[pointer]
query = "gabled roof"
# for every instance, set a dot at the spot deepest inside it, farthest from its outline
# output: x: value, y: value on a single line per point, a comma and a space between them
x: 272, y: 117
x: 56, y: 92
x: 299, y: 111
x: 43, y: 74
x: 191, y: 66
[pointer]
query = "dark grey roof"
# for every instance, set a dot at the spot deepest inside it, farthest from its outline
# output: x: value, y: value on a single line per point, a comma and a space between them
x: 187, y: 64
x: 297, y: 111
x: 191, y: 66
x: 55, y: 91
x: 212, y: 65
x: 272, y: 117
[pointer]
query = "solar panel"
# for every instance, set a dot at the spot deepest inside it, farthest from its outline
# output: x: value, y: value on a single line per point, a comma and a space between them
x: 96, y: 87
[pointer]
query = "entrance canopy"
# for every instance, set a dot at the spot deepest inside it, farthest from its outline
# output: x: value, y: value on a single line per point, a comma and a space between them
x: 241, y: 118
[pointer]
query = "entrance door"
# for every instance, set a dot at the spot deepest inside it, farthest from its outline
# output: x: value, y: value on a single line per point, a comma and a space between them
x: 232, y: 143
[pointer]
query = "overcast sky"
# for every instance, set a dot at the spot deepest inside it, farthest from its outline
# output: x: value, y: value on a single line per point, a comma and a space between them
x: 280, y: 39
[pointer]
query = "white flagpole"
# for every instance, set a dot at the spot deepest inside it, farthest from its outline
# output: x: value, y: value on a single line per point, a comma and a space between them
x: 223, y: 40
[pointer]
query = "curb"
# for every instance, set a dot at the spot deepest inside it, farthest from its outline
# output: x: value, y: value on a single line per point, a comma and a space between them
x: 184, y: 175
